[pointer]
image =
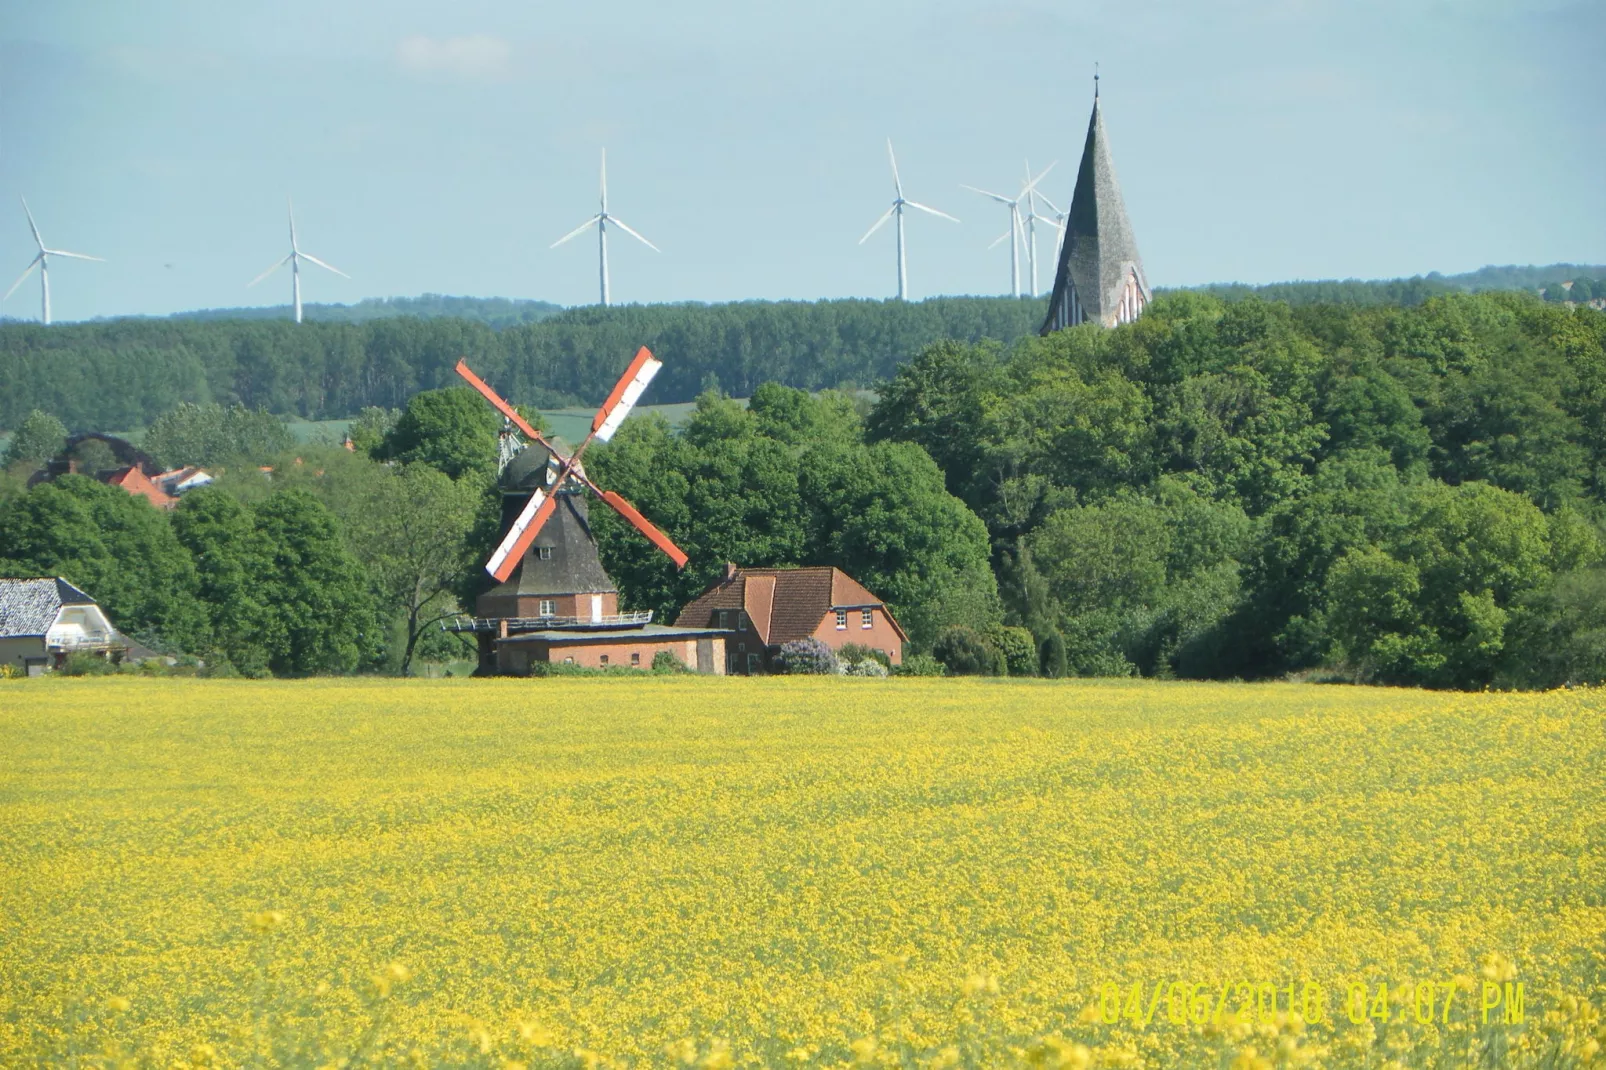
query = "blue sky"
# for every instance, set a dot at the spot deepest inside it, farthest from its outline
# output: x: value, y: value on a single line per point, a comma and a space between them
x: 442, y: 148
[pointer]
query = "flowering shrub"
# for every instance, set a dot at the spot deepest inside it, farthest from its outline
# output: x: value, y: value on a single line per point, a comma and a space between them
x: 807, y: 657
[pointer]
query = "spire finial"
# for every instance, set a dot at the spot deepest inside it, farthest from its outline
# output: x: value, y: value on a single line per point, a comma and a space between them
x: 1095, y: 79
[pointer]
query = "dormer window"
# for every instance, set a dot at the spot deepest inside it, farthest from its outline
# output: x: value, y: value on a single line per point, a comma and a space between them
x: 544, y: 553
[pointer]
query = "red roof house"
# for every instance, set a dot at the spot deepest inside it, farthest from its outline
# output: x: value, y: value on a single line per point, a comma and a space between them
x: 761, y: 608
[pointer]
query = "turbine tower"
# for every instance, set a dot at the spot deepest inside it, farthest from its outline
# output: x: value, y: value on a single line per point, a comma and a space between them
x: 1013, y: 233
x: 601, y: 221
x: 896, y: 211
x: 1032, y: 218
x: 294, y: 258
x: 41, y: 260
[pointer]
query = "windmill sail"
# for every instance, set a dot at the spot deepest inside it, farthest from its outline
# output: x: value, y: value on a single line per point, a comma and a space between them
x: 625, y: 395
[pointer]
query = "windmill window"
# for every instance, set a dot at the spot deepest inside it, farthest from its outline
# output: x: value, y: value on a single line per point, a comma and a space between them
x: 841, y: 619
x: 635, y: 658
x: 867, y: 618
x: 741, y: 621
x: 741, y: 646
x: 724, y: 619
x: 544, y: 553
x: 549, y: 607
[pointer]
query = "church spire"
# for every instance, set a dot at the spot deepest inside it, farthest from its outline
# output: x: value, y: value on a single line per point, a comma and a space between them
x: 1100, y: 276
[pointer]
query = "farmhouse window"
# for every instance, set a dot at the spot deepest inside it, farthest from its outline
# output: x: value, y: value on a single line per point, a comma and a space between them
x: 549, y: 607
x: 604, y: 659
x: 544, y: 553
x: 867, y: 617
x: 635, y: 659
x: 841, y: 619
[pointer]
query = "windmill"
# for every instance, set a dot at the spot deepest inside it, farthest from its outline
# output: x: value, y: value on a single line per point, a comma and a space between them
x: 294, y: 258
x: 601, y: 221
x: 899, y: 202
x: 1031, y: 217
x: 521, y: 533
x: 41, y: 260
x: 1013, y: 234
x: 1022, y: 227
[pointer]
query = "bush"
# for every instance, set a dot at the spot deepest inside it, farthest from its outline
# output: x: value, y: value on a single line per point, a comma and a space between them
x: 665, y: 661
x: 1018, y: 648
x: 9, y: 671
x: 807, y: 657
x: 867, y: 667
x: 80, y: 663
x: 1051, y: 656
x: 964, y: 652
x: 920, y: 665
x: 855, y: 653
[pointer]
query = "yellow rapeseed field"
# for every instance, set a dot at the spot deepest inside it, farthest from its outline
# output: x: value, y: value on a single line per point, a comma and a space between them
x: 818, y: 872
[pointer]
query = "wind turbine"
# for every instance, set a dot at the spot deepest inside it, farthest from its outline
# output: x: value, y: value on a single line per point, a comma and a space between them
x: 294, y: 258
x: 41, y: 260
x: 1013, y: 234
x: 1031, y: 195
x: 601, y: 220
x: 898, y: 204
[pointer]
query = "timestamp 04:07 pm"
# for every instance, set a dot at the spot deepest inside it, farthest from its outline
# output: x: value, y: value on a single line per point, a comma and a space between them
x: 1140, y: 1003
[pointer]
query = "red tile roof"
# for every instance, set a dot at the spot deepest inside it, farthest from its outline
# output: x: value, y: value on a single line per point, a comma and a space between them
x: 783, y: 603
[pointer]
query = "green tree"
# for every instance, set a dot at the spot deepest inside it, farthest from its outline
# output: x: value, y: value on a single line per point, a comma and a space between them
x: 410, y: 529
x: 315, y: 592
x: 452, y: 429
x: 116, y: 547
x: 231, y: 562
x: 39, y: 438
x: 212, y: 434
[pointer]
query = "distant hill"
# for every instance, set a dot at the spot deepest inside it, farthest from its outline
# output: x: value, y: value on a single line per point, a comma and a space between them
x: 494, y: 312
x: 1412, y: 291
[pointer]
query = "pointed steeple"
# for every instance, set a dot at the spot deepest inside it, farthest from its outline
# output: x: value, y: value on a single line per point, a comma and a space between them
x: 1100, y: 277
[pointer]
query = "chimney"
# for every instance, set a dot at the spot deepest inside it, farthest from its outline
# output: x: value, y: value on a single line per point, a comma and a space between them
x: 730, y: 570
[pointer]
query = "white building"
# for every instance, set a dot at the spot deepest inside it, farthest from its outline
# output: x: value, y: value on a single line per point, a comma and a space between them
x: 44, y: 620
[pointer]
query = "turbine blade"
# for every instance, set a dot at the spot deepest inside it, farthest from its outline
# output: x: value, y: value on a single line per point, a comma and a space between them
x: 1032, y: 182
x: 933, y: 211
x: 896, y: 181
x: 626, y: 392
x: 616, y: 221
x: 291, y: 208
x: 23, y: 277
x: 309, y: 258
x: 645, y: 526
x: 288, y: 257
x: 74, y: 256
x: 536, y: 512
x: 998, y: 240
x: 878, y: 224
x: 577, y: 231
x: 999, y: 197
x: 37, y: 240
x: 1051, y: 205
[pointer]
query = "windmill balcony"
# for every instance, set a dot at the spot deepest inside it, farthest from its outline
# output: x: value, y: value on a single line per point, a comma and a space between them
x: 492, y: 625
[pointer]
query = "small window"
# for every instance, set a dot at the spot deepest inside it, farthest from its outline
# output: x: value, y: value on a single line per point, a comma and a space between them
x: 841, y: 619
x: 867, y: 616
x: 549, y: 607
x: 722, y: 620
x: 635, y: 659
x: 604, y: 659
x: 568, y: 661
x: 544, y: 553
x: 741, y: 646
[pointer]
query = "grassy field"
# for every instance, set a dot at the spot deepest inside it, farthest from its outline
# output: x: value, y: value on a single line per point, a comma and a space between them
x: 694, y: 871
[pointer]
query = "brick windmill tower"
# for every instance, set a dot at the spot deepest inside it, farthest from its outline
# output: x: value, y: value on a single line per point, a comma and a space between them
x: 554, y: 601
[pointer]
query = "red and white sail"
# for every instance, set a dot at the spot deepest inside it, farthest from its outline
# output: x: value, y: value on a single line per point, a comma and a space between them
x: 535, y: 513
x: 625, y: 395
x: 645, y: 526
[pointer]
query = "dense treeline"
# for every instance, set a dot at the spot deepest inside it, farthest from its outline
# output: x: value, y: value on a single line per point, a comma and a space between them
x: 1370, y: 293
x: 1222, y: 489
x: 1248, y: 489
x: 497, y: 312
x: 124, y: 373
